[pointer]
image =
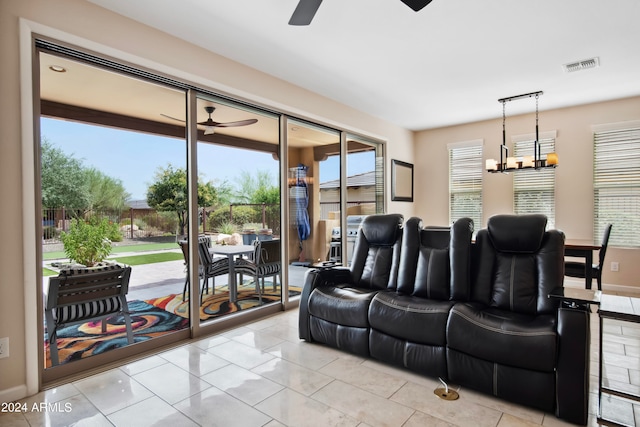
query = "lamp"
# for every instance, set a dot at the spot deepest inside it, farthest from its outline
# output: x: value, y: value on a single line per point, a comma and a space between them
x: 506, y: 163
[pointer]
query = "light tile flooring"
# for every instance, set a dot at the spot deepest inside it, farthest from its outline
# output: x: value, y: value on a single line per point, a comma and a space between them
x: 261, y: 374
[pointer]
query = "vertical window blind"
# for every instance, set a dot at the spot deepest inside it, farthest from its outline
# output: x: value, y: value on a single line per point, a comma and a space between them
x: 616, y: 185
x: 534, y: 190
x: 465, y: 182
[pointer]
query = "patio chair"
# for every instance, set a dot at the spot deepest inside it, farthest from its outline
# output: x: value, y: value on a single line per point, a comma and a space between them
x: 266, y: 262
x: 211, y: 266
x: 84, y: 294
x: 208, y: 267
x: 184, y: 246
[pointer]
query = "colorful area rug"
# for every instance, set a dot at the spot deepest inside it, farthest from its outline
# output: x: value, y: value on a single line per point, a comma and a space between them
x: 216, y: 305
x: 83, y: 340
x: 153, y: 318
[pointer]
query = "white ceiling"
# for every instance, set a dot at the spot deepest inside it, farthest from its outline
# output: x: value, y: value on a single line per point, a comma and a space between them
x: 445, y: 65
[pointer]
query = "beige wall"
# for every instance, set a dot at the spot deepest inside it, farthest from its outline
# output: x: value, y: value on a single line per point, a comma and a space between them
x: 574, y: 176
x: 84, y: 24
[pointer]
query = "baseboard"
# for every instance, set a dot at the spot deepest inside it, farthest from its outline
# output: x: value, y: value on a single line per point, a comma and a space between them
x: 13, y: 394
x: 632, y: 291
x: 607, y: 288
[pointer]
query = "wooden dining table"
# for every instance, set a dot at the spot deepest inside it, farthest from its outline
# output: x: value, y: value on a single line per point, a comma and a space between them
x: 231, y: 251
x: 582, y: 249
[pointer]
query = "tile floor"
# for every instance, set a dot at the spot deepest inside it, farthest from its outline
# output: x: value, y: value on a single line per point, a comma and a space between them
x: 261, y: 374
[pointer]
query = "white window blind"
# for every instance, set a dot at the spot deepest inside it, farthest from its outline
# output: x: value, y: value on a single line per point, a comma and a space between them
x: 534, y: 189
x: 616, y: 185
x: 465, y: 182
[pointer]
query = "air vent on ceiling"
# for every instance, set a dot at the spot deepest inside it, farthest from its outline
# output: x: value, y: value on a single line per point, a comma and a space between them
x: 581, y: 65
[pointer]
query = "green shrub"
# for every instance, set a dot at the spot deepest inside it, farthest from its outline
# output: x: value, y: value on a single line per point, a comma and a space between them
x: 245, y: 214
x: 113, y: 231
x: 87, y: 242
x: 227, y: 228
x: 241, y: 215
x: 218, y: 217
x: 255, y: 226
x: 140, y: 223
x: 168, y: 221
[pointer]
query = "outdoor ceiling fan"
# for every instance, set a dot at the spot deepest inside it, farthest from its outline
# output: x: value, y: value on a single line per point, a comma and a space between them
x: 211, y: 125
x: 306, y: 10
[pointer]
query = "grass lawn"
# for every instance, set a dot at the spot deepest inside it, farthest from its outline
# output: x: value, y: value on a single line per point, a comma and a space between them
x: 120, y: 249
x: 149, y: 258
x: 133, y: 260
x: 46, y: 272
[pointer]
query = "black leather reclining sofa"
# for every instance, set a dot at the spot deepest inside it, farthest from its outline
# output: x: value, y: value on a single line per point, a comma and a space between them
x: 476, y: 314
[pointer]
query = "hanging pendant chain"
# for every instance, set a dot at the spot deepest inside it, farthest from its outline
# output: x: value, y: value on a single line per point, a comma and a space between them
x: 537, y: 97
x: 504, y: 120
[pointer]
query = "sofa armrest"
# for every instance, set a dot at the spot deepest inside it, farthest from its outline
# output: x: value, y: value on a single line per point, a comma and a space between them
x: 574, y: 340
x: 572, y: 375
x: 315, y: 278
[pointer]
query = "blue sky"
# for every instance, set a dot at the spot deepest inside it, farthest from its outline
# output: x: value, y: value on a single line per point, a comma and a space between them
x: 135, y: 157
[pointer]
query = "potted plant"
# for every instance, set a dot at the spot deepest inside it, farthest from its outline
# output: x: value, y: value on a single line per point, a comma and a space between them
x: 87, y: 242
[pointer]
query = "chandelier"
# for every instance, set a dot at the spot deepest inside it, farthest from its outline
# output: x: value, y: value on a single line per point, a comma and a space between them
x: 508, y: 163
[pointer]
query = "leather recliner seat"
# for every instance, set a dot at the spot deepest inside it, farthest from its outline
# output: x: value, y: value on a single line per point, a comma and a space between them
x: 504, y: 341
x: 478, y: 315
x: 337, y: 312
x: 409, y: 322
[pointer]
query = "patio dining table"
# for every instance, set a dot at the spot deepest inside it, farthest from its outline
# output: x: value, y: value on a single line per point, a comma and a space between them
x: 230, y: 251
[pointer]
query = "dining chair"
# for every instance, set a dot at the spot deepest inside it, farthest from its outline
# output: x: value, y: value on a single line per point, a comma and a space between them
x: 578, y: 269
x: 266, y: 262
x: 184, y: 246
x: 211, y: 266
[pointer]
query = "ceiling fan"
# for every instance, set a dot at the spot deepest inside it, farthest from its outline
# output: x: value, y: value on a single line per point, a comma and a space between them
x: 306, y: 10
x: 210, y: 125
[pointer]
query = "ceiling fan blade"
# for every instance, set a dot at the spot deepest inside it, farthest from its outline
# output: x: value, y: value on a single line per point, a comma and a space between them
x: 416, y: 4
x: 209, y: 122
x: 238, y: 123
x: 213, y: 124
x: 172, y: 118
x: 305, y: 11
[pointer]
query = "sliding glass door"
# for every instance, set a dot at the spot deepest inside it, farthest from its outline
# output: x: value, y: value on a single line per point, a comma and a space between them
x: 218, y: 207
x: 313, y: 181
x: 112, y: 177
x: 238, y: 191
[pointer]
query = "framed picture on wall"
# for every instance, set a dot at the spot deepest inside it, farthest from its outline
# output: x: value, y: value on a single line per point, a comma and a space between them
x: 401, y: 181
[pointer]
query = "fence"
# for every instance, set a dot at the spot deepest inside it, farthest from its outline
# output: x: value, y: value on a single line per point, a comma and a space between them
x: 258, y: 215
x: 145, y: 223
x: 132, y: 223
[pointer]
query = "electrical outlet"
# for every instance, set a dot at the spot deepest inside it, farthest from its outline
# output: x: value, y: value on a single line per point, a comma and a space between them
x: 4, y: 347
x: 615, y: 266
